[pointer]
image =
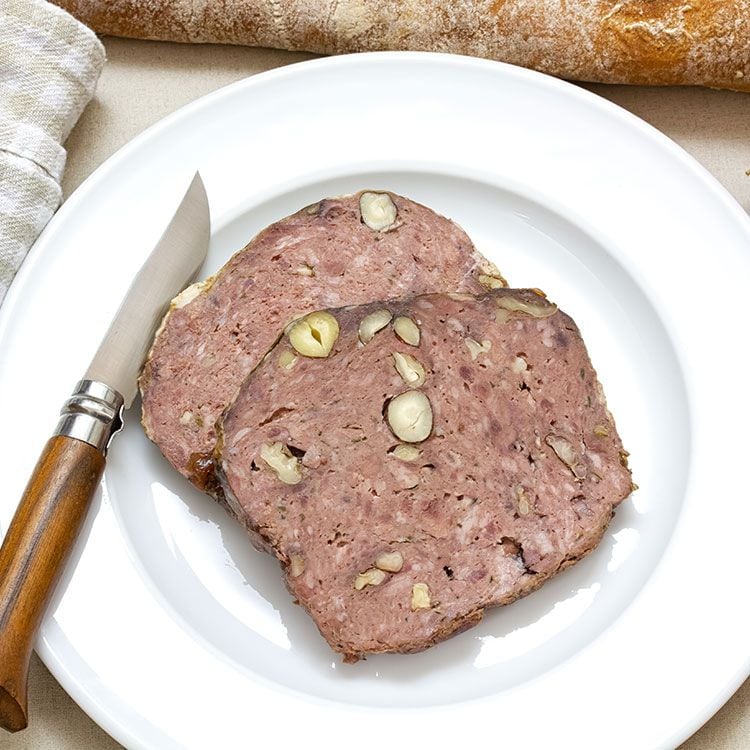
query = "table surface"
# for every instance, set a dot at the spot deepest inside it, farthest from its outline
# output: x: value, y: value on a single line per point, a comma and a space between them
x: 144, y: 81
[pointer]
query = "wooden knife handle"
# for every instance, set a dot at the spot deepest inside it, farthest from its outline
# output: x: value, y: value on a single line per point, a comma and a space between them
x: 32, y: 556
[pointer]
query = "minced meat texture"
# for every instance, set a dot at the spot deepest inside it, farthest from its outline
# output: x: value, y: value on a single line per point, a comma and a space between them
x: 393, y: 545
x: 323, y: 256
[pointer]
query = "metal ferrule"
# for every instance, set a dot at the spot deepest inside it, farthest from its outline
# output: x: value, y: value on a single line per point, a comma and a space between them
x: 92, y: 414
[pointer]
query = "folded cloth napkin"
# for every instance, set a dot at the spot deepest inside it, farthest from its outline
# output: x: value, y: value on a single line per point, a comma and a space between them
x: 49, y: 65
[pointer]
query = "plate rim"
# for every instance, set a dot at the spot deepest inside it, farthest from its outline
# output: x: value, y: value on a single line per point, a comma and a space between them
x: 72, y: 686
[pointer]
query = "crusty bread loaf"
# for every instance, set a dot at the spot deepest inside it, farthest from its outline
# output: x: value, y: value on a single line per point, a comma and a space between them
x: 686, y: 42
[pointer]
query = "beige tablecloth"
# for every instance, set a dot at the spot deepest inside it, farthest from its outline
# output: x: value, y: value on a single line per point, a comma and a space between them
x: 143, y: 81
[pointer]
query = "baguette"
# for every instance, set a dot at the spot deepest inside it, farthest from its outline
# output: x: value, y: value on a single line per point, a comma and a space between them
x: 652, y: 42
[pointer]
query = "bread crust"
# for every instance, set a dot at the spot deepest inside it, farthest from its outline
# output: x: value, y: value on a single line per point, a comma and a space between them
x: 653, y: 42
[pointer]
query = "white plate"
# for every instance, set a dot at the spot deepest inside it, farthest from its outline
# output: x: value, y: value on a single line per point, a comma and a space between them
x: 171, y: 631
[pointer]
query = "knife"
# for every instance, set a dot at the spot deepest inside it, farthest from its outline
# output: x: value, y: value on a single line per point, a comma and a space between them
x: 54, y: 504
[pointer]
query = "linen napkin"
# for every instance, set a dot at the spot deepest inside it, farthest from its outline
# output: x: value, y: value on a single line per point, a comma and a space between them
x: 49, y: 65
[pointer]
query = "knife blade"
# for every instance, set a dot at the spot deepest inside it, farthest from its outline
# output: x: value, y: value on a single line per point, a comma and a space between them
x: 172, y: 264
x: 58, y: 495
